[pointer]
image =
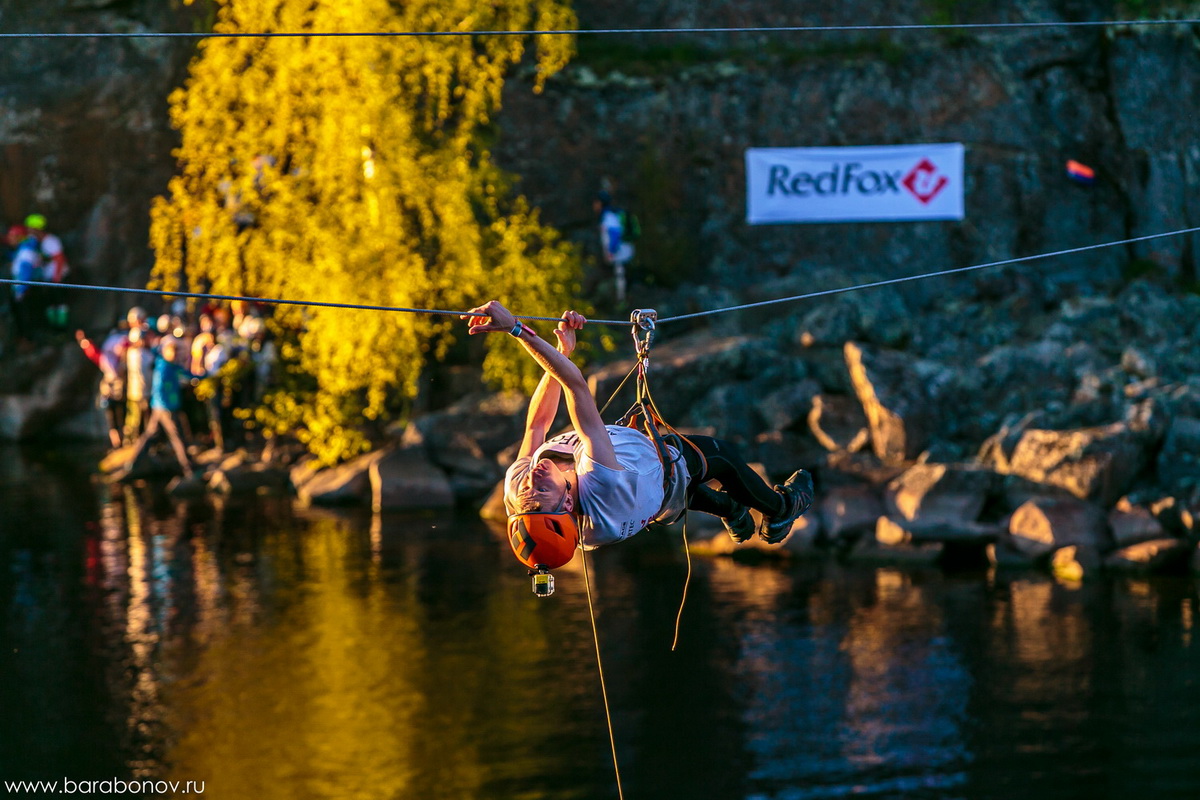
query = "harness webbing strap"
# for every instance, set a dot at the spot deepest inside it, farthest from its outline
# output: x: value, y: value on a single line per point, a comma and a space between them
x: 643, y: 322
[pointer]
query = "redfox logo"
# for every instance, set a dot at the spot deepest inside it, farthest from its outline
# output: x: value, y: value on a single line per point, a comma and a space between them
x: 841, y: 179
x: 923, y: 181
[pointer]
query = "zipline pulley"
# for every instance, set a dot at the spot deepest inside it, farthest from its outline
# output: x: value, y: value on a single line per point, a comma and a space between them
x: 644, y: 322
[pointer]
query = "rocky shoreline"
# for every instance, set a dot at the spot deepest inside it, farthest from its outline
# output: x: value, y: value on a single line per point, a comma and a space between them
x: 932, y: 414
x: 1073, y: 445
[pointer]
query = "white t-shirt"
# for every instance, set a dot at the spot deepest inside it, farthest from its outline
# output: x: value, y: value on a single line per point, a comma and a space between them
x: 614, y: 504
x: 56, y: 263
x: 139, y: 370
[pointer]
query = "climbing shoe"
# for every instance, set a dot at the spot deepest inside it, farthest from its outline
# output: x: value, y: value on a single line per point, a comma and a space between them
x: 797, y: 494
x: 740, y: 526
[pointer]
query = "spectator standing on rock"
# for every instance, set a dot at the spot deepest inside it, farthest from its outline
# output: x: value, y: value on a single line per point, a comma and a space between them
x: 110, y: 359
x: 615, y: 243
x: 54, y: 270
x: 139, y: 370
x: 202, y: 343
x: 165, y: 400
x: 203, y: 394
x: 213, y: 390
x: 260, y: 351
x: 26, y: 266
x: 237, y: 377
x: 162, y: 326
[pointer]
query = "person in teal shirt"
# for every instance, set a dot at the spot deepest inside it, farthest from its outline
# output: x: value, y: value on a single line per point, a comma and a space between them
x: 166, y: 397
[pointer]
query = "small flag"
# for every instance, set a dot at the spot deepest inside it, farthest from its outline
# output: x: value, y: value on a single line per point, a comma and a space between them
x: 1081, y: 173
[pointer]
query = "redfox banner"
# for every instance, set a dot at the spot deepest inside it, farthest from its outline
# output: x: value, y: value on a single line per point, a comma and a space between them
x: 854, y: 184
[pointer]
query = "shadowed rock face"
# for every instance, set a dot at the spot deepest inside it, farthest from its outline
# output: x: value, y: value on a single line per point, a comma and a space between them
x: 1063, y: 346
x: 674, y: 124
x: 84, y: 134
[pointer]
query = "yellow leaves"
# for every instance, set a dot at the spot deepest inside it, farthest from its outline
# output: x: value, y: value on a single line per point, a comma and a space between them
x: 346, y: 169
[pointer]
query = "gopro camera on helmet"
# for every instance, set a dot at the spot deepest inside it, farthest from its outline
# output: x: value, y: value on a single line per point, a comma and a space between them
x: 543, y: 581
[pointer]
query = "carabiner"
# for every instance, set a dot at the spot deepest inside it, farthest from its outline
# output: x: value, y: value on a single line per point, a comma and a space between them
x: 643, y: 321
x: 644, y: 318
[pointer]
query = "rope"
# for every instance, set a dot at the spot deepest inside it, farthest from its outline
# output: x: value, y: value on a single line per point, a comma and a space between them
x: 923, y: 276
x: 277, y: 301
x: 949, y: 26
x: 687, y: 581
x: 711, y: 312
x: 644, y: 324
x: 612, y: 740
x: 687, y: 550
x: 620, y: 386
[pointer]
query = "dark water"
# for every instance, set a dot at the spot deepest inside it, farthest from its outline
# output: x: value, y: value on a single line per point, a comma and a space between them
x: 276, y: 653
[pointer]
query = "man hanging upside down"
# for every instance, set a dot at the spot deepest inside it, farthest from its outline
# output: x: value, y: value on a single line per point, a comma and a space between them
x: 599, y: 484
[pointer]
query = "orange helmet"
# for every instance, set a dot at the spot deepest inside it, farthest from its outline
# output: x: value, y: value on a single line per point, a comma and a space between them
x: 543, y: 538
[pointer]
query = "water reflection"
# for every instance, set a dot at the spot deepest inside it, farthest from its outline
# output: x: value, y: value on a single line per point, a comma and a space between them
x: 276, y: 653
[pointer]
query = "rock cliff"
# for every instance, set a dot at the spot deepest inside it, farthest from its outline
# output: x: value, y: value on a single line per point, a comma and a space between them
x: 669, y: 118
x: 84, y: 138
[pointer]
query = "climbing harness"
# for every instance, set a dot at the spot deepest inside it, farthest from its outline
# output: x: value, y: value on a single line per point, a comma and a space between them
x: 644, y: 324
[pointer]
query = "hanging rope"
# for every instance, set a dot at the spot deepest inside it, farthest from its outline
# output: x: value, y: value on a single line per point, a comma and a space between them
x: 644, y: 325
x: 612, y: 740
x: 687, y: 581
x: 948, y: 26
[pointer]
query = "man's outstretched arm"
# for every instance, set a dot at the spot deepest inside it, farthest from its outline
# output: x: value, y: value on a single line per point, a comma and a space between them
x: 581, y: 407
x: 543, y: 406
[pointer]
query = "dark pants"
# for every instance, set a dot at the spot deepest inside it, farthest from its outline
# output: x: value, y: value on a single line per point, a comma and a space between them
x: 740, y: 485
x: 137, y: 417
x: 168, y: 422
x: 25, y: 315
x: 114, y: 415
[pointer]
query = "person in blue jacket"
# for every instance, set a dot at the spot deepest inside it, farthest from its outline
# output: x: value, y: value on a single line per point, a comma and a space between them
x: 166, y: 397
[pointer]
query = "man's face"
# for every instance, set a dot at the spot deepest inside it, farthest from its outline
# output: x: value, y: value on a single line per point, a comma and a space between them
x: 547, y: 484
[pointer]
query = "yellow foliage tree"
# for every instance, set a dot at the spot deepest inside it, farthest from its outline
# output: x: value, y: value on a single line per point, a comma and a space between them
x: 352, y: 169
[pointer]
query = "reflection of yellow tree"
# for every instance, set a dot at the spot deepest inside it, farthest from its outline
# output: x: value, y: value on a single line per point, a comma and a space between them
x: 311, y: 701
x: 344, y: 696
x: 353, y: 169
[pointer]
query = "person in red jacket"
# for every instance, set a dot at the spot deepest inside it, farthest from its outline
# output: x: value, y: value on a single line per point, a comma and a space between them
x: 109, y: 358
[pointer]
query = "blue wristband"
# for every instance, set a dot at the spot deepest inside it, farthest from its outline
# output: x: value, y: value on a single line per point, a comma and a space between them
x: 517, y: 329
